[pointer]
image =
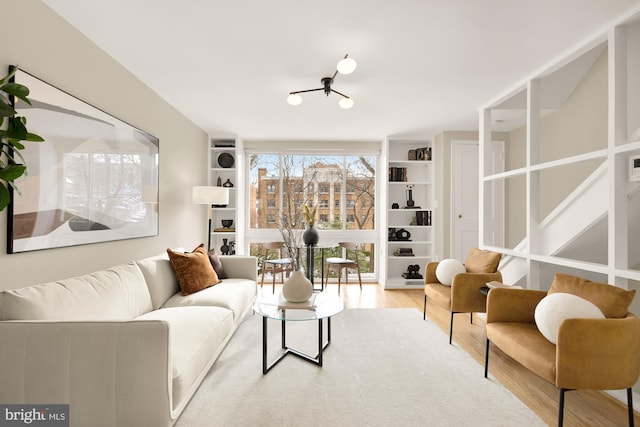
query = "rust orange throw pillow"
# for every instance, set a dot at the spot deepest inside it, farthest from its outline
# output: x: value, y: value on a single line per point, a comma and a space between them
x: 193, y: 270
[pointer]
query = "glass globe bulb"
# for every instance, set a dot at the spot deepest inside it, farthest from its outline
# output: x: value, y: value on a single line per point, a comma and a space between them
x: 294, y: 99
x: 347, y: 66
x: 346, y: 103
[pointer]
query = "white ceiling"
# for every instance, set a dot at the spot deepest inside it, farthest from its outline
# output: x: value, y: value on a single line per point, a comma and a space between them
x: 424, y: 66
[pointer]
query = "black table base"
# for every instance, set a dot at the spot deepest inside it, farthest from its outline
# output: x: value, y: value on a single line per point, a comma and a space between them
x: 316, y: 360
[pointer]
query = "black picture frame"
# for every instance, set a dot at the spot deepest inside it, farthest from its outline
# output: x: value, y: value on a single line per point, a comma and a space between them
x: 94, y: 178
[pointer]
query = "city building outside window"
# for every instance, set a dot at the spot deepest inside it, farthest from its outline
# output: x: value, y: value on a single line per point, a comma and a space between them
x: 281, y: 183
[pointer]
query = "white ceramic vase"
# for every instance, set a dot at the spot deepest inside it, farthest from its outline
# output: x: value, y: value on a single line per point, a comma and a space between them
x: 297, y: 288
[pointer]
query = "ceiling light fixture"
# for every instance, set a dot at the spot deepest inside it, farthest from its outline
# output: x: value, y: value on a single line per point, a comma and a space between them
x: 345, y: 66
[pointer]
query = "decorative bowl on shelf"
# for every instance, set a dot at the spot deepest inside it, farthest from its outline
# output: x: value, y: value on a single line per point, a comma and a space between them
x: 227, y: 223
x: 225, y: 160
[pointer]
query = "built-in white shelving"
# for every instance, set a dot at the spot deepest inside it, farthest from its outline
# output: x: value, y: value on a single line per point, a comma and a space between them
x: 409, y: 211
x: 223, y: 171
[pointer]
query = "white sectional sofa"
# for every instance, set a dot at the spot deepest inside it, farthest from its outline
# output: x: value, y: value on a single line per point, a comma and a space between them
x: 121, y: 346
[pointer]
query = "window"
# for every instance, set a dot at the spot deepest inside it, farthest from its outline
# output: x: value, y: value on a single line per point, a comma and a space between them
x: 303, y: 179
x: 280, y: 183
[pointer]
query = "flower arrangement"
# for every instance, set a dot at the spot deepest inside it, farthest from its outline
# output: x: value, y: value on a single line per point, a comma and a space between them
x: 309, y: 214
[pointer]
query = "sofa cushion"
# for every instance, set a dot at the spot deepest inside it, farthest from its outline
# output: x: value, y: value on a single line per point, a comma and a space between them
x: 196, y: 334
x: 479, y: 261
x: 117, y: 293
x: 160, y: 277
x: 193, y: 270
x: 438, y: 293
x: 236, y: 295
x: 554, y: 309
x: 524, y: 343
x: 611, y: 300
x: 217, y: 264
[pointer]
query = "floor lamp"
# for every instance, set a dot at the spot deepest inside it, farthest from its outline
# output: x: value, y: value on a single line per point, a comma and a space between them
x: 209, y: 195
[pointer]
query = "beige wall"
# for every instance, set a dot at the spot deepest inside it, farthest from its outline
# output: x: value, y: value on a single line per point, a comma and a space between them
x: 43, y: 44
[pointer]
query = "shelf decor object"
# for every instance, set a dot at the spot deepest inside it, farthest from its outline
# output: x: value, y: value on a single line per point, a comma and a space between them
x: 210, y: 195
x: 345, y: 66
x: 226, y: 160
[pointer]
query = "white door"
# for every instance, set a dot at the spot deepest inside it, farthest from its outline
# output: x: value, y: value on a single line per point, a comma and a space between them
x: 464, y: 185
x: 464, y: 200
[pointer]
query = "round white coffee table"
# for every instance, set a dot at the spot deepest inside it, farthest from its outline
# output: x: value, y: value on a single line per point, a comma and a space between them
x: 320, y: 306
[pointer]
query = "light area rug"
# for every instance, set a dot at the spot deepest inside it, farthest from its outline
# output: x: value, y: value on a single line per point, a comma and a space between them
x: 384, y: 367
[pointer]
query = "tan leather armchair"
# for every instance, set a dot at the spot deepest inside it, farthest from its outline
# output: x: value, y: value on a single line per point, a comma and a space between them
x: 463, y: 296
x: 593, y: 354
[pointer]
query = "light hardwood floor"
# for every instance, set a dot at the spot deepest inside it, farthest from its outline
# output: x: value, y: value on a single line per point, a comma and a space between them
x: 583, y: 408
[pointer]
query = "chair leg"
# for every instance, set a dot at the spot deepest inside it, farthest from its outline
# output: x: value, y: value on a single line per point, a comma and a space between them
x: 424, y: 308
x: 262, y: 281
x: 486, y: 359
x: 630, y: 406
x: 451, y: 327
x: 471, y: 318
x: 561, y: 407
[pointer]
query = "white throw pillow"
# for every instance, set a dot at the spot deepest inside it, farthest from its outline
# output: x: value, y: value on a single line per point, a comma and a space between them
x: 553, y: 309
x: 447, y: 269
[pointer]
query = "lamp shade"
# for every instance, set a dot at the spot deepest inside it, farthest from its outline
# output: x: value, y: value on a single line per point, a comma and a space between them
x: 294, y: 99
x: 209, y: 195
x: 347, y: 66
x: 346, y: 103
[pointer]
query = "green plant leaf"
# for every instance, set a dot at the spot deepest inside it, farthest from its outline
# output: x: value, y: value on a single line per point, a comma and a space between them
x: 12, y: 172
x: 17, y: 90
x: 32, y: 137
x: 4, y: 197
x: 12, y: 156
x: 12, y: 71
x: 16, y: 129
x: 6, y: 110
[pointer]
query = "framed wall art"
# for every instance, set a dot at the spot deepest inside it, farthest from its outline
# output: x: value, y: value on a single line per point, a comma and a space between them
x: 93, y: 179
